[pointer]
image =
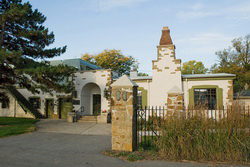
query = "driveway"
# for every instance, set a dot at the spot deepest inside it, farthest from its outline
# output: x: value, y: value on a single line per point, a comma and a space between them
x: 80, y: 128
x: 60, y: 144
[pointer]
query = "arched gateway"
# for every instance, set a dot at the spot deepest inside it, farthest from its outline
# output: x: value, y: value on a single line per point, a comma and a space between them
x: 91, y: 99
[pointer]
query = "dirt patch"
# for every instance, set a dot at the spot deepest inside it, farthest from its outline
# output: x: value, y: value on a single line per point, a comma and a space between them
x: 4, y: 126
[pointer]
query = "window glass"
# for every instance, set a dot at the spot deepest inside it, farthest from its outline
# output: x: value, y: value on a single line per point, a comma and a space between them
x: 5, y: 102
x: 205, y: 98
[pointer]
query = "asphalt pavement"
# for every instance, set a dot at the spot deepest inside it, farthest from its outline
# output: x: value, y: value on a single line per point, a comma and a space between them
x: 57, y: 143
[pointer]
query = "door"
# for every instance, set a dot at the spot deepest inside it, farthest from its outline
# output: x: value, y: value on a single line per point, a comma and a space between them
x: 65, y: 106
x: 49, y: 108
x: 96, y: 104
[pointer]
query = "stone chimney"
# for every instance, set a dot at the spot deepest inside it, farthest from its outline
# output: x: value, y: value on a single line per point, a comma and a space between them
x: 165, y: 37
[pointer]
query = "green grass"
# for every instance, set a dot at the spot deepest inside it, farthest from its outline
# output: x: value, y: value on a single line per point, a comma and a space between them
x: 14, y: 126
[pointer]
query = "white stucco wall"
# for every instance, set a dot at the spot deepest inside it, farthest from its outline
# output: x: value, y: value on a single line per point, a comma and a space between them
x: 98, y: 77
x: 14, y: 109
x: 224, y: 84
x: 166, y: 75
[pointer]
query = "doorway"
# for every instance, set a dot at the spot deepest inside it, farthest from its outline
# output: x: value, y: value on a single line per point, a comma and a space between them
x: 96, y: 104
x: 91, y: 99
x: 65, y: 106
x: 49, y: 104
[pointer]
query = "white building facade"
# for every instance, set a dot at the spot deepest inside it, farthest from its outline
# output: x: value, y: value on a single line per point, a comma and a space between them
x: 92, y: 86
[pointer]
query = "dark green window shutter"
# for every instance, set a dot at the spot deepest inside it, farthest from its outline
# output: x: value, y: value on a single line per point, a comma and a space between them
x: 191, y: 98
x: 219, y: 98
x: 144, y: 94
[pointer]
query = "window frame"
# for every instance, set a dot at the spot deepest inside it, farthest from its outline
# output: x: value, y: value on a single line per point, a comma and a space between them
x: 37, y: 106
x: 219, y: 95
x: 205, y: 97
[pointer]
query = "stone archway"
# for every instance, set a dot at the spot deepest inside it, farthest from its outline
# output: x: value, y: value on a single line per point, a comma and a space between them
x: 91, y: 99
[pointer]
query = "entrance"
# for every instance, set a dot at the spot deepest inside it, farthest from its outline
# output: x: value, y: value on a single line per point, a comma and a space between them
x: 65, y: 106
x: 49, y: 108
x: 91, y: 99
x: 96, y: 104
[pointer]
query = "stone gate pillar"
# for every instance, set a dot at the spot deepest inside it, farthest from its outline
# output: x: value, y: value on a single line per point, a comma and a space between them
x: 123, y: 104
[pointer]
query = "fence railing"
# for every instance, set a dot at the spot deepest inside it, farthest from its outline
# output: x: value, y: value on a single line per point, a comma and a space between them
x: 151, y: 120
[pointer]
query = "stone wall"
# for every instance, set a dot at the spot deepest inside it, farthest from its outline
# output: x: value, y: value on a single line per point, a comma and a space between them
x: 123, y: 101
x: 175, y: 103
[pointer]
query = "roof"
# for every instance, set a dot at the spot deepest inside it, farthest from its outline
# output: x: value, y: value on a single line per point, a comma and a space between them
x: 74, y: 63
x: 175, y: 90
x: 141, y: 77
x: 124, y: 81
x: 242, y: 94
x: 216, y: 75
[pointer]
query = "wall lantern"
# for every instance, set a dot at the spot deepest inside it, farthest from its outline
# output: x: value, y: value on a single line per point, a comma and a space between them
x: 124, y: 96
x: 118, y: 95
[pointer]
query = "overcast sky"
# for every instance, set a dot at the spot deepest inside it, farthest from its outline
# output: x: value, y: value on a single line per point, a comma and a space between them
x: 198, y: 28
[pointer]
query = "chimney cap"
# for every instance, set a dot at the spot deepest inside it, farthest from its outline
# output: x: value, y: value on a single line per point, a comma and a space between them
x: 165, y: 37
x: 165, y: 28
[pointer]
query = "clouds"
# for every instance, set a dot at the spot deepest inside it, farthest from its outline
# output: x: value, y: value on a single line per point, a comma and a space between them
x: 106, y: 5
x: 202, y: 46
x: 239, y: 11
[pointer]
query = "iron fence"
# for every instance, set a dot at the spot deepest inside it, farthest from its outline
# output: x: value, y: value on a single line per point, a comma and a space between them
x: 150, y: 120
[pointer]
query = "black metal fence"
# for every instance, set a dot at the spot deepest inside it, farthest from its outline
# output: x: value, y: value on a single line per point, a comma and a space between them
x: 151, y: 119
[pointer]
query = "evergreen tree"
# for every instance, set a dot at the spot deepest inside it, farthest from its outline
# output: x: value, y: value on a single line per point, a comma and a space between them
x: 24, y: 45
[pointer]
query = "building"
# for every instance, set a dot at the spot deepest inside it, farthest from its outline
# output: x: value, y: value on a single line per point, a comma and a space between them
x: 212, y: 90
x: 166, y: 87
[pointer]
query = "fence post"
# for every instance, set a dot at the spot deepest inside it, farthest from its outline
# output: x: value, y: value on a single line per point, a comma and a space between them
x: 124, y: 114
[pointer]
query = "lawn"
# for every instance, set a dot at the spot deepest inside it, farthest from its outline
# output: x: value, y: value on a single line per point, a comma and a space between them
x: 15, y: 126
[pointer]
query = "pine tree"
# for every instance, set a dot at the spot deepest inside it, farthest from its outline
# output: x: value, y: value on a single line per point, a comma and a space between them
x: 24, y: 49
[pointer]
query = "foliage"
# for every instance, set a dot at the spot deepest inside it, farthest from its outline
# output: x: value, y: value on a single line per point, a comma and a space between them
x: 142, y: 74
x: 14, y: 126
x: 193, y: 66
x: 24, y: 45
x: 235, y: 60
x: 112, y: 59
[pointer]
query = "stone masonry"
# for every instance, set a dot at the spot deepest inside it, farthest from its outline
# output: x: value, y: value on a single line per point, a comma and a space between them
x: 124, y: 94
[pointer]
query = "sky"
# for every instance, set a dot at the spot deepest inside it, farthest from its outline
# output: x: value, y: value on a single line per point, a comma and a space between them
x: 198, y: 28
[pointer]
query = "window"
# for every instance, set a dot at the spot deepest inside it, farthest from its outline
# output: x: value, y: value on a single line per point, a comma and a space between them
x: 204, y: 97
x: 139, y: 99
x: 5, y: 102
x: 35, y: 101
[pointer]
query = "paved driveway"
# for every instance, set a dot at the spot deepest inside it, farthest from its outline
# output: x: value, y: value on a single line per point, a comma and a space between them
x: 81, y: 128
x: 57, y: 144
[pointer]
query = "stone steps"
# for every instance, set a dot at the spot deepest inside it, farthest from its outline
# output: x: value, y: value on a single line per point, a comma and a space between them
x: 88, y: 119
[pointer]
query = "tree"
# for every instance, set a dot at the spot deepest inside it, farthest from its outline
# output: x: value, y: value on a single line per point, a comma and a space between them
x: 235, y: 60
x: 142, y: 74
x: 112, y: 59
x: 24, y: 45
x: 193, y: 66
